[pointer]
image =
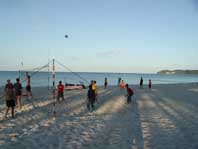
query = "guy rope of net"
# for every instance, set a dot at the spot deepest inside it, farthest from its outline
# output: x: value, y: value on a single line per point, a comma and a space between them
x: 74, y: 73
x: 53, y: 79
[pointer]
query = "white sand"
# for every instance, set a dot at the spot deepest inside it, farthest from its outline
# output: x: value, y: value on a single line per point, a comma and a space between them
x: 164, y: 117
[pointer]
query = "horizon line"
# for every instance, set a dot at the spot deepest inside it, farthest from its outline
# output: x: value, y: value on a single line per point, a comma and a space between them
x: 80, y: 72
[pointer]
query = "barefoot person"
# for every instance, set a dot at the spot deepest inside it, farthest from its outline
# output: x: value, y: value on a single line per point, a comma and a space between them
x: 141, y: 82
x: 18, y: 92
x: 122, y: 85
x: 119, y: 80
x: 94, y: 87
x: 9, y: 97
x: 90, y: 98
x: 60, y: 93
x: 150, y: 83
x: 105, y: 83
x: 28, y: 86
x: 129, y: 93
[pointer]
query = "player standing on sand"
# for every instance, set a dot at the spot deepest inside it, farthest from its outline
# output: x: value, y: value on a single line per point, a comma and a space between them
x: 94, y: 87
x: 130, y: 93
x: 141, y: 82
x: 60, y: 93
x: 91, y: 98
x: 28, y: 86
x: 105, y: 83
x: 9, y: 97
x: 122, y: 85
x: 18, y: 93
x: 119, y: 80
x: 150, y: 84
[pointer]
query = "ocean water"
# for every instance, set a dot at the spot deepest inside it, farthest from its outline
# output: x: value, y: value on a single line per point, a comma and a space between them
x: 45, y: 78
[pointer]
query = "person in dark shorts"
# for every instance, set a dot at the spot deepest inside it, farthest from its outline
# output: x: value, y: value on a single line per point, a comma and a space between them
x: 141, y: 82
x: 95, y: 88
x: 105, y: 83
x: 119, y: 80
x: 9, y: 97
x: 60, y: 91
x: 91, y: 98
x: 129, y: 93
x: 150, y: 83
x: 18, y: 93
x: 28, y: 87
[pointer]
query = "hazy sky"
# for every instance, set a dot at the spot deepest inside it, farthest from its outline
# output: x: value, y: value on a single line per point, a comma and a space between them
x: 103, y: 35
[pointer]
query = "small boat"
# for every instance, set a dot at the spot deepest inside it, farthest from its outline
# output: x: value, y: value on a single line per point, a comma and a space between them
x: 74, y: 86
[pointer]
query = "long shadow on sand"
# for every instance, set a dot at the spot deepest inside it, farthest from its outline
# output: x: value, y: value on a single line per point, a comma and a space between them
x: 123, y: 127
x: 116, y: 127
x: 170, y: 119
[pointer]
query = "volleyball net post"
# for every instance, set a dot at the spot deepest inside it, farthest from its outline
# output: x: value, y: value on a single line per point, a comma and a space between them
x: 54, y: 88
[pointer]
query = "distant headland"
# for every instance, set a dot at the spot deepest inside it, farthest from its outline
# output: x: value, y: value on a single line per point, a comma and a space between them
x: 178, y: 72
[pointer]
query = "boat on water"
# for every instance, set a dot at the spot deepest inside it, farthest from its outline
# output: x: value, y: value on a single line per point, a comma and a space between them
x: 74, y: 86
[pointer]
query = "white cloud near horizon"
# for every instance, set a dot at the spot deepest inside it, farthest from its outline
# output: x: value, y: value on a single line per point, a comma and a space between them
x: 108, y: 53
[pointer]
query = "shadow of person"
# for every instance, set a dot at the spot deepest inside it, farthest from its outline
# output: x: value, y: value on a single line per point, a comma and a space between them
x: 137, y: 140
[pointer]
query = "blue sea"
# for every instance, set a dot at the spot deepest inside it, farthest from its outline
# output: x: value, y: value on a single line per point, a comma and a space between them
x: 45, y: 78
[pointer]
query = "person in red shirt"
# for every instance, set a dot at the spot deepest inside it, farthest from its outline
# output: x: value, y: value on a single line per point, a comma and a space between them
x: 60, y: 91
x: 129, y: 93
x: 122, y: 85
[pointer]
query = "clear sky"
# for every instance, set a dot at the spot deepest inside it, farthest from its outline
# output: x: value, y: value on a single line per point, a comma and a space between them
x: 103, y: 35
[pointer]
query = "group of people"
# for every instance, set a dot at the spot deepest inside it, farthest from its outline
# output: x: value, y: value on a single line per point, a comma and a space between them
x: 13, y: 93
x: 92, y: 93
x: 122, y: 84
x: 129, y: 90
x: 149, y: 84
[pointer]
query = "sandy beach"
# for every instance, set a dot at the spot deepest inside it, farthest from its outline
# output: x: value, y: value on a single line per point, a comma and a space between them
x: 162, y: 118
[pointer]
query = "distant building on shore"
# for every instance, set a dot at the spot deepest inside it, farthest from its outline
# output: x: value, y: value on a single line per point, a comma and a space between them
x: 178, y: 72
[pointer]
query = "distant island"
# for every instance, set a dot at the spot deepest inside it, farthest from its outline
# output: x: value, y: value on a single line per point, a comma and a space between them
x: 178, y: 72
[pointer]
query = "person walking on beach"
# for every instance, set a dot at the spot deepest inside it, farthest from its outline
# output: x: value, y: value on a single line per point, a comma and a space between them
x: 141, y: 82
x: 122, y: 85
x: 60, y: 91
x: 18, y: 93
x: 28, y: 86
x: 90, y: 98
x: 105, y: 83
x: 130, y: 93
x: 119, y: 80
x: 9, y: 97
x: 94, y: 87
x: 150, y: 83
